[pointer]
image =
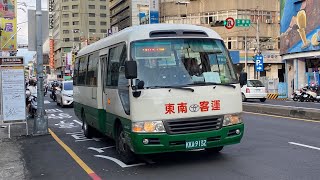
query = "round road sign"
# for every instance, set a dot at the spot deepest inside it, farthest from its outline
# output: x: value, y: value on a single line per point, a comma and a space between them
x: 230, y: 23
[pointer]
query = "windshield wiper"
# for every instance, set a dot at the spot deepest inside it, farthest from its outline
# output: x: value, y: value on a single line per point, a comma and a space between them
x: 212, y: 83
x: 172, y: 87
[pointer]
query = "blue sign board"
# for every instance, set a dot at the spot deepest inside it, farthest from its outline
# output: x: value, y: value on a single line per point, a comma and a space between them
x: 235, y: 56
x: 154, y: 17
x: 259, y: 63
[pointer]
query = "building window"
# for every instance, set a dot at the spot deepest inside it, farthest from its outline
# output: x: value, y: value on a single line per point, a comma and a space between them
x: 75, y: 6
x: 92, y: 23
x: 75, y: 22
x: 65, y: 23
x: 76, y: 39
x: 75, y: 15
x: 65, y: 0
x: 92, y: 6
x: 103, y: 7
x: 103, y: 23
x: 103, y: 15
x: 103, y: 31
x: 65, y: 31
x: 65, y: 15
x: 92, y: 30
x: 66, y: 39
x: 103, y: 0
x: 76, y: 31
x: 65, y: 7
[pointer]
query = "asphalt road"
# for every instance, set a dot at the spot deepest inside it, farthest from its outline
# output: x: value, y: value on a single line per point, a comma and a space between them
x: 272, y: 148
x: 314, y: 105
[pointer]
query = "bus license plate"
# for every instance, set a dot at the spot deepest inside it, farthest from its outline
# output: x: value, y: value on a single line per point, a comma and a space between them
x: 196, y: 144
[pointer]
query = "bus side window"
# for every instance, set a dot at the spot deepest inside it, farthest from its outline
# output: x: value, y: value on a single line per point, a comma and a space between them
x: 113, y: 66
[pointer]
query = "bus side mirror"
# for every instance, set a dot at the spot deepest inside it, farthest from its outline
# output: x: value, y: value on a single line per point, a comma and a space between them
x: 243, y: 78
x: 130, y: 69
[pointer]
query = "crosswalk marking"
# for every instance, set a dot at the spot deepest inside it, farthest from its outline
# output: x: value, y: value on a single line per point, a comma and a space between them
x: 46, y: 102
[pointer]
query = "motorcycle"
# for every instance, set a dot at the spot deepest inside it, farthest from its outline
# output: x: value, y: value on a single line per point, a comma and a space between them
x: 32, y: 103
x: 53, y: 95
x: 304, y: 96
x: 311, y: 95
x: 296, y: 95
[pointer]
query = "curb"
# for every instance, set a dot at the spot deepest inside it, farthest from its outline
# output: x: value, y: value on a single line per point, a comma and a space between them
x: 295, y: 112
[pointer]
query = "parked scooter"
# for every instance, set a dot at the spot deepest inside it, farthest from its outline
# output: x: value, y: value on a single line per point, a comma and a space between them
x: 304, y: 96
x: 311, y: 95
x: 31, y: 103
x: 296, y: 95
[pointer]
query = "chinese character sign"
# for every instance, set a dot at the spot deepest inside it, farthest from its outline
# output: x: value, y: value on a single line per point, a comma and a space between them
x: 9, y: 36
x: 183, y: 107
x: 8, y: 8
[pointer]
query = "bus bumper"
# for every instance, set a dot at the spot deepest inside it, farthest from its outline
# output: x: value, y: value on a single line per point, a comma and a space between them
x: 163, y: 142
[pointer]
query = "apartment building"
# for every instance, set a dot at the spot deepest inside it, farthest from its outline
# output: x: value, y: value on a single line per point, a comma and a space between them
x: 77, y: 23
x: 262, y: 13
x: 126, y: 13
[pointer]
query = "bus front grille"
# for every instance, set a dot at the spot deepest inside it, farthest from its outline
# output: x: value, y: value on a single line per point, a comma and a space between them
x: 183, y: 126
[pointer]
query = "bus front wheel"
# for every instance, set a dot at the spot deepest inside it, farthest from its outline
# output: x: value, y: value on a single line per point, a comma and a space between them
x: 126, y: 155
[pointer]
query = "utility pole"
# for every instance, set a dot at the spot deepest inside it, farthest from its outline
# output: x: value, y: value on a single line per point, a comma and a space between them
x: 40, y: 123
x: 245, y: 53
x: 258, y: 42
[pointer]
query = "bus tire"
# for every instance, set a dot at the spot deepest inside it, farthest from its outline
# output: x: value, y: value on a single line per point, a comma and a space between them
x: 123, y: 150
x: 87, y: 129
x: 214, y: 149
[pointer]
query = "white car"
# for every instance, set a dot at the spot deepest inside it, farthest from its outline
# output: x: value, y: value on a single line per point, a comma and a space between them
x: 64, y: 94
x: 253, y: 89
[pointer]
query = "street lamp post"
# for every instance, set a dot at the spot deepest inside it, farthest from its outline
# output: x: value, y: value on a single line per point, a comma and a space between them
x: 40, y: 123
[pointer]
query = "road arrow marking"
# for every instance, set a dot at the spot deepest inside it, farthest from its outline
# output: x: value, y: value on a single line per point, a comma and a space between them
x: 120, y: 163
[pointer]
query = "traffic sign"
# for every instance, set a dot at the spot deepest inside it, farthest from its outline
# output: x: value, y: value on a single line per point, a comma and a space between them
x: 229, y: 23
x: 243, y: 22
x: 259, y: 63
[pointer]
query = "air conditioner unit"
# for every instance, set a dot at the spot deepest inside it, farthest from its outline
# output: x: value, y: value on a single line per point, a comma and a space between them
x: 269, y: 21
x: 270, y: 47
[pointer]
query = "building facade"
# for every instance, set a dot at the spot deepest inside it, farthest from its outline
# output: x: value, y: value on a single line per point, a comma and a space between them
x: 76, y: 23
x: 300, y: 42
x: 265, y: 24
x: 126, y: 13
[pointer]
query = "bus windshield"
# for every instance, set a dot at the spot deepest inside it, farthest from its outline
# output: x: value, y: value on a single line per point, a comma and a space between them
x: 181, y: 62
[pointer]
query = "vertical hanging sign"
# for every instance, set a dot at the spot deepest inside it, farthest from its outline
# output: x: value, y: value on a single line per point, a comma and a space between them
x: 154, y: 12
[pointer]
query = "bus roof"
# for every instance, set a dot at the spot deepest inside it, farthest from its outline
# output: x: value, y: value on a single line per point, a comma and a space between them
x: 143, y: 32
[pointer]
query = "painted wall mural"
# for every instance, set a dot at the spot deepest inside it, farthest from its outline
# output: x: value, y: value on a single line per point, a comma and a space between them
x: 299, y: 26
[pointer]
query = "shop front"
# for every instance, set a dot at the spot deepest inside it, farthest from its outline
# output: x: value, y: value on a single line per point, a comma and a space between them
x: 300, y: 42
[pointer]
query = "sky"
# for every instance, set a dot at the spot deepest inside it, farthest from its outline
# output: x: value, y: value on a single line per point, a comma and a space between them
x: 22, y: 15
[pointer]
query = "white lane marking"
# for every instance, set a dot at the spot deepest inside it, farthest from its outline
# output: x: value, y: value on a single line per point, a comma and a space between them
x: 283, y: 117
x: 78, y: 122
x: 281, y: 106
x: 46, y: 102
x: 120, y: 163
x: 304, y: 145
x: 100, y: 150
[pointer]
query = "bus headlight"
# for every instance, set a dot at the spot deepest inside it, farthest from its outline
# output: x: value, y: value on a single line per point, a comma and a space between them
x: 231, y: 119
x: 148, y: 127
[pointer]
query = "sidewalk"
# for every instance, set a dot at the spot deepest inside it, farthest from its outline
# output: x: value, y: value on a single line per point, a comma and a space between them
x: 12, y: 164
